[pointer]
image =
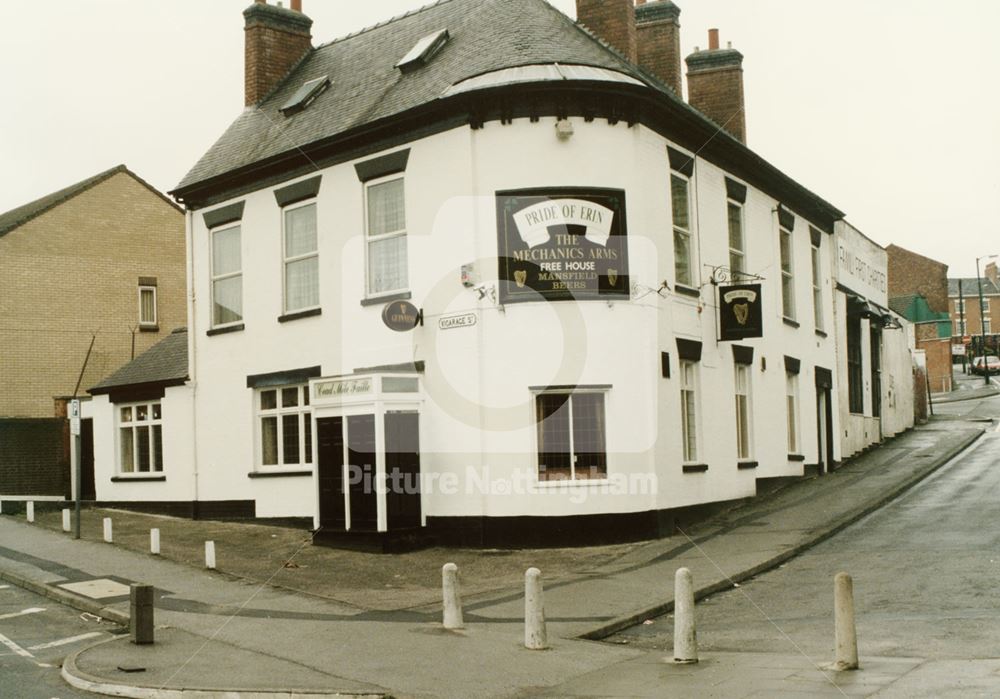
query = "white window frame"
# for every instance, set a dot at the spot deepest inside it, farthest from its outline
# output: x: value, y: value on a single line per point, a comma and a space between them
x: 286, y: 260
x: 817, y: 285
x: 572, y: 446
x: 134, y: 424
x: 792, y: 408
x: 687, y: 233
x: 960, y: 307
x: 689, y: 383
x: 369, y: 239
x: 743, y: 396
x: 787, y: 301
x: 741, y: 251
x: 303, y: 409
x: 213, y: 278
x: 155, y: 321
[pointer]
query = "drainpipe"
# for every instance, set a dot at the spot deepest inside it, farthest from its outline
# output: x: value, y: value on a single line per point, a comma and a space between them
x: 192, y: 334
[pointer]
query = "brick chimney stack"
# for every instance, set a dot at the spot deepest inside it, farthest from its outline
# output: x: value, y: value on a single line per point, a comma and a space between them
x: 611, y: 20
x: 715, y: 86
x: 658, y: 38
x: 276, y: 40
x: 991, y: 273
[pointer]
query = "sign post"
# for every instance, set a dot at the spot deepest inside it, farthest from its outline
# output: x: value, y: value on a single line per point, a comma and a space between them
x: 74, y: 429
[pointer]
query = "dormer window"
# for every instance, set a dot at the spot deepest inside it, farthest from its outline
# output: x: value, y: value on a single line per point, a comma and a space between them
x: 424, y: 50
x: 305, y: 96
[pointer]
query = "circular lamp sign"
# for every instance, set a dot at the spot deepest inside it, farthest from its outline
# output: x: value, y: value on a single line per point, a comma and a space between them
x: 401, y: 316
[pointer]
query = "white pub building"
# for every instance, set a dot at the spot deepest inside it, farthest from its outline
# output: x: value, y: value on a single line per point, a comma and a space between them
x: 479, y: 275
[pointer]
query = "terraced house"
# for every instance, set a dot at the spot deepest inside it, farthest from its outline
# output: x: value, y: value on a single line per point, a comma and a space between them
x: 491, y: 252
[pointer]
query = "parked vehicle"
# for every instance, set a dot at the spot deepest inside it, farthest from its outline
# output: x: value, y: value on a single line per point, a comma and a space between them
x: 981, y: 364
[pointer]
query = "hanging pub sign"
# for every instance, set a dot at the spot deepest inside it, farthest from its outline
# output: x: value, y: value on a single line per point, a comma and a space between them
x: 740, y: 312
x: 401, y: 316
x: 562, y: 244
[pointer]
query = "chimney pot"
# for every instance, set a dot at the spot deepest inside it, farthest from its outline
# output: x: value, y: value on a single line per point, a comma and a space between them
x: 713, y: 39
x: 297, y: 5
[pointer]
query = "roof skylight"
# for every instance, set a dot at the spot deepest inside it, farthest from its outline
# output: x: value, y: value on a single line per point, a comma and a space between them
x: 305, y: 95
x: 423, y: 51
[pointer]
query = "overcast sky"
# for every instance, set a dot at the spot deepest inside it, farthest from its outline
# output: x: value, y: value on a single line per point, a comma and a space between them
x: 888, y: 109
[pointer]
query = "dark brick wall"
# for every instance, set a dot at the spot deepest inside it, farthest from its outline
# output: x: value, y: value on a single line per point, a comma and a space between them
x: 33, y: 457
x: 910, y: 273
x: 611, y: 20
x: 718, y: 94
x: 659, y: 51
x: 275, y: 40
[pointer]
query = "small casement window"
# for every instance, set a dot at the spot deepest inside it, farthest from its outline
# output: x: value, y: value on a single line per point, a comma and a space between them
x: 147, y: 306
x: 386, y: 236
x: 743, y: 447
x: 737, y: 245
x: 571, y: 436
x: 284, y: 426
x: 680, y: 199
x: 301, y: 258
x: 787, y: 275
x: 689, y: 410
x: 227, y: 276
x: 792, y: 407
x: 817, y: 288
x: 140, y: 430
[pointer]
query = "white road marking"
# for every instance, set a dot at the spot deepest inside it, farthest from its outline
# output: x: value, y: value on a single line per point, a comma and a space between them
x: 32, y: 610
x: 15, y: 648
x: 65, y: 641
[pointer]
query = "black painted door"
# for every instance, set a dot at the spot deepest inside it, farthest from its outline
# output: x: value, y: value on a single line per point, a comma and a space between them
x: 361, y: 472
x: 402, y: 469
x: 330, y: 473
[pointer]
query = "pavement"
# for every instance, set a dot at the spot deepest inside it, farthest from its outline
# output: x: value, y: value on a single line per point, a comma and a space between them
x: 220, y: 634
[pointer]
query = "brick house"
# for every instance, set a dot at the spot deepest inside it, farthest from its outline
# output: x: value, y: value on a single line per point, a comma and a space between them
x: 964, y: 307
x: 101, y: 262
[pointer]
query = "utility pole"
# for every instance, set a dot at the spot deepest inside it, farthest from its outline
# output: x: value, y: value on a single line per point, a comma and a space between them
x: 77, y: 442
x: 961, y: 327
x: 982, y: 321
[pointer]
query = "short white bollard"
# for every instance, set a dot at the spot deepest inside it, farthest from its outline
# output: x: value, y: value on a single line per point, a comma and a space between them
x: 210, y: 555
x: 108, y: 534
x: 31, y: 511
x: 535, y: 637
x: 685, y: 633
x: 66, y: 522
x: 843, y: 612
x: 154, y: 542
x: 452, y: 597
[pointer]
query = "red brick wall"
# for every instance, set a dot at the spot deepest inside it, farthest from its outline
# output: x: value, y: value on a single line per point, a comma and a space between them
x: 718, y: 94
x: 271, y: 50
x: 910, y: 273
x: 939, y: 365
x: 659, y: 51
x: 611, y: 20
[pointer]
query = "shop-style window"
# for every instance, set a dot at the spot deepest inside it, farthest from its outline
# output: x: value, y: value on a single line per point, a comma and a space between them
x: 284, y: 421
x: 855, y: 376
x: 571, y: 436
x: 386, y: 236
x: 301, y: 258
x: 140, y: 430
x: 787, y: 275
x: 689, y: 410
x: 227, y: 276
x: 792, y: 408
x: 743, y: 447
x: 680, y: 198
x: 147, y: 306
x: 737, y: 245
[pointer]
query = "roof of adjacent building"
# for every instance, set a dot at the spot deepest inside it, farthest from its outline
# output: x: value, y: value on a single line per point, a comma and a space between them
x: 368, y: 90
x: 164, y: 363
x: 22, y: 214
x: 970, y: 287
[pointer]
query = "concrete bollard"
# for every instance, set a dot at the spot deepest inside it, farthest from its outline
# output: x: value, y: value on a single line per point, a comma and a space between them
x: 846, y: 633
x: 685, y: 632
x: 535, y: 637
x: 31, y: 511
x: 66, y: 522
x: 154, y: 542
x: 452, y: 597
x: 140, y: 624
x: 108, y: 534
x: 210, y: 555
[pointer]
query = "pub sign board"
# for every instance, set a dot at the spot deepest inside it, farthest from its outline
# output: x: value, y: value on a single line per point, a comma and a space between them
x: 562, y: 244
x: 740, y: 312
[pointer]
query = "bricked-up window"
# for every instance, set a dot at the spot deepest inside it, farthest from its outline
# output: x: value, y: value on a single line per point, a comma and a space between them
x: 792, y: 408
x: 284, y: 426
x: 817, y: 288
x: 680, y: 198
x: 787, y: 275
x: 737, y: 248
x: 386, y: 236
x: 147, y: 306
x: 301, y: 263
x: 689, y: 410
x: 227, y: 276
x: 855, y: 387
x: 571, y: 436
x: 140, y: 429
x: 743, y: 448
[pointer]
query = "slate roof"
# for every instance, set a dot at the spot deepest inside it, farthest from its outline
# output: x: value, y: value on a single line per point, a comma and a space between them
x: 165, y: 363
x: 970, y: 287
x: 22, y: 214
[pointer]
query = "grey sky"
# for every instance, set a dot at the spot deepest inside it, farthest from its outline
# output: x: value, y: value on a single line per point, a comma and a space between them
x: 886, y: 108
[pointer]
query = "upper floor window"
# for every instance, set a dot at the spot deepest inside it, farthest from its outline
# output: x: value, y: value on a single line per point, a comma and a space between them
x: 571, y: 436
x: 147, y: 306
x: 140, y: 429
x: 960, y: 307
x: 680, y: 199
x: 301, y: 258
x: 284, y: 426
x: 386, y: 236
x: 787, y: 275
x: 227, y: 276
x: 737, y: 249
x: 817, y: 287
